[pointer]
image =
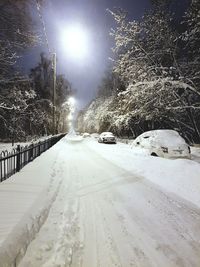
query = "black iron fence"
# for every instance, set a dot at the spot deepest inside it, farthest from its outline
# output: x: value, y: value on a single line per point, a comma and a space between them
x: 13, y: 161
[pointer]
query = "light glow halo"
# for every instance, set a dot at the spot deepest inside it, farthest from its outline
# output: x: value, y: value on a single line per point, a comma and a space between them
x: 75, y: 41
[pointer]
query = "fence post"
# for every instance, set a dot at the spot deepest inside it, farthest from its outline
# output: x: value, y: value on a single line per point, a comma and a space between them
x: 39, y: 148
x: 18, y: 163
x: 31, y: 153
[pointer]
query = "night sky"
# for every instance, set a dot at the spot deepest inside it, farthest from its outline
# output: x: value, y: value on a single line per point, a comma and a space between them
x: 85, y: 75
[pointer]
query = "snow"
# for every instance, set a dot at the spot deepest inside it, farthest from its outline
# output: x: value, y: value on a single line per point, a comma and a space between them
x: 25, y: 199
x: 107, y: 134
x: 156, y: 141
x: 96, y: 112
x: 195, y: 151
x: 95, y: 135
x: 9, y: 147
x: 179, y: 176
x: 168, y: 138
x: 82, y: 203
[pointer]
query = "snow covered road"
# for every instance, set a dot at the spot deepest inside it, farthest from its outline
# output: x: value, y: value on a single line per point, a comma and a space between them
x: 105, y: 215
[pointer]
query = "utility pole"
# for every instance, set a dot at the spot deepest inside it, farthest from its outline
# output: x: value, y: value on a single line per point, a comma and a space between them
x: 54, y: 93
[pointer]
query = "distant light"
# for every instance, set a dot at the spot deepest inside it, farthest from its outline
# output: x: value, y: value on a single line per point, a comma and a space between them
x: 71, y: 100
x: 75, y: 41
x: 70, y: 117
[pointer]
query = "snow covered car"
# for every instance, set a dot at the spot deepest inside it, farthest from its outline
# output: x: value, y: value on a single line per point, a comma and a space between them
x: 163, y: 143
x: 107, y: 137
x: 85, y: 135
x: 95, y: 135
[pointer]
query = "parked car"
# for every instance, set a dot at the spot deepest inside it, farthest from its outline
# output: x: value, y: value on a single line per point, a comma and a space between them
x: 95, y: 135
x: 107, y: 137
x: 85, y: 135
x: 163, y: 143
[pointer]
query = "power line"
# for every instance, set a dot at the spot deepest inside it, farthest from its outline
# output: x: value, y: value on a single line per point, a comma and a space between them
x: 43, y: 25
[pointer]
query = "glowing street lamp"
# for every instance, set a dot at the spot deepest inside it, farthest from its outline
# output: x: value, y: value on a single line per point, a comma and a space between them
x: 71, y: 101
x: 75, y: 41
x: 70, y: 117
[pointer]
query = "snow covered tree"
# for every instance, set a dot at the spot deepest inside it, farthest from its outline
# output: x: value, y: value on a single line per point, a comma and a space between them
x: 161, y: 3
x: 160, y: 43
x: 63, y: 92
x: 130, y: 57
x: 140, y: 50
x: 42, y: 77
x: 106, y: 87
x: 190, y: 62
x: 16, y: 98
x: 110, y: 84
x: 147, y: 58
x: 151, y: 60
x: 16, y: 33
x: 191, y: 39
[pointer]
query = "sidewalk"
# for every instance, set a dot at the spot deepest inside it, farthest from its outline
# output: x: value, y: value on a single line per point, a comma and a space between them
x: 25, y: 200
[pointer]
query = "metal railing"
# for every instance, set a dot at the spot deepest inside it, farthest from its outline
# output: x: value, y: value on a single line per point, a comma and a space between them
x: 13, y: 161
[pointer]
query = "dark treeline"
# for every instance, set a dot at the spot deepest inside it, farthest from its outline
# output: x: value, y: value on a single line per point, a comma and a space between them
x: 26, y: 102
x: 155, y: 80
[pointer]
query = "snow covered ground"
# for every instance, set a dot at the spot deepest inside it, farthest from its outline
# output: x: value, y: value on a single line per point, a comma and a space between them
x: 179, y: 176
x: 195, y: 152
x: 87, y: 204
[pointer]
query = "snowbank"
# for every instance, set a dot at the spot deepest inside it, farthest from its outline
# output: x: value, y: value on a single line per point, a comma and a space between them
x: 25, y: 201
x: 195, y: 153
x: 179, y: 176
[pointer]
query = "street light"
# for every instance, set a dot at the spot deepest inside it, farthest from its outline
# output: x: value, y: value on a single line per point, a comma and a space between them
x: 71, y: 101
x: 70, y: 117
x: 75, y: 41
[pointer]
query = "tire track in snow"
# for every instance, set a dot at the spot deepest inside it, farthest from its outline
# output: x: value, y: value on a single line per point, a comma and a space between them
x: 107, y: 217
x: 35, y: 220
x: 52, y: 246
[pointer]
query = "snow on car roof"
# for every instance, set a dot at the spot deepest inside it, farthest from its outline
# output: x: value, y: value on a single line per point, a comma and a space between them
x: 106, y: 133
x: 163, y: 137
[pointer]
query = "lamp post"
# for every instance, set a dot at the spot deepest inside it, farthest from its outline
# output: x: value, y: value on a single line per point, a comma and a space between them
x: 54, y: 92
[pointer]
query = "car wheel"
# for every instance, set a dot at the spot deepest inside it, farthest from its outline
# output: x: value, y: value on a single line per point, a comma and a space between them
x: 154, y: 154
